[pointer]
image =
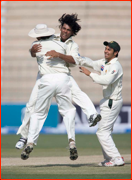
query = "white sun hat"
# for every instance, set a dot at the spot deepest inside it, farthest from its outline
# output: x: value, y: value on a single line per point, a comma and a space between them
x: 41, y: 30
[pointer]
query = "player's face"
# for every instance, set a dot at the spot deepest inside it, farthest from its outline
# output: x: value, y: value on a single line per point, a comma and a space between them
x: 66, y: 32
x: 109, y: 53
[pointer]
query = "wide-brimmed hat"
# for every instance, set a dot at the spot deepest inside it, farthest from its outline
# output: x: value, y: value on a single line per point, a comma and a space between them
x: 41, y: 30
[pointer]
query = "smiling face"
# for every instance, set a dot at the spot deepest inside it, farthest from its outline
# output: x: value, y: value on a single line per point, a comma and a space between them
x: 109, y: 53
x: 66, y: 32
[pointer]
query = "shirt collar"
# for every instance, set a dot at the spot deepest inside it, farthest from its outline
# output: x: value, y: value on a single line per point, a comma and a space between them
x: 111, y: 62
x: 57, y: 37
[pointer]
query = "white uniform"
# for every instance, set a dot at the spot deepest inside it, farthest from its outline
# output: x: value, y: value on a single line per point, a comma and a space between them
x: 110, y: 106
x: 53, y: 82
x: 78, y: 96
x: 57, y: 65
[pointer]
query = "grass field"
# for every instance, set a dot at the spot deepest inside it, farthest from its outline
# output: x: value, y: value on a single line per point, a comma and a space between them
x: 50, y: 159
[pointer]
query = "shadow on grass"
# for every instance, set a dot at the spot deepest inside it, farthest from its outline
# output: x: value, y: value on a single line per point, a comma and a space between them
x: 71, y: 165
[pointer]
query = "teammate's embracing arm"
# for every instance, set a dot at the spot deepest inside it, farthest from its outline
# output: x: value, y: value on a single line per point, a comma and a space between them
x: 105, y: 79
x: 87, y: 62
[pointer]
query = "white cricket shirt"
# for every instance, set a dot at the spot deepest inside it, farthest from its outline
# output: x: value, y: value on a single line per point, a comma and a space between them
x: 110, y: 78
x: 54, y: 65
x: 73, y: 49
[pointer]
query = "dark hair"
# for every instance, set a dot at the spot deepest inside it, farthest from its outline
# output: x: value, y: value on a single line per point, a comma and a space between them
x: 116, y: 51
x: 45, y: 37
x: 70, y: 20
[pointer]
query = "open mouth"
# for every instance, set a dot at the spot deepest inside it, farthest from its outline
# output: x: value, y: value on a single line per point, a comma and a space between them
x: 64, y: 35
x: 106, y: 55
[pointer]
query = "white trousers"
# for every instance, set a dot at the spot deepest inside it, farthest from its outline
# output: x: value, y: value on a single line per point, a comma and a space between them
x: 78, y: 97
x: 58, y: 86
x: 105, y: 127
x: 82, y: 99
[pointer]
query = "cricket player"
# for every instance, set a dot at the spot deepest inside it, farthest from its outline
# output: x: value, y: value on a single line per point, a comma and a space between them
x: 68, y: 28
x: 53, y: 82
x: 110, y: 106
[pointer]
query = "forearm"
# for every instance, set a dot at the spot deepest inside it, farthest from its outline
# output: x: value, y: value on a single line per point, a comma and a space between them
x: 104, y: 79
x: 67, y: 58
x: 87, y: 62
x: 32, y: 53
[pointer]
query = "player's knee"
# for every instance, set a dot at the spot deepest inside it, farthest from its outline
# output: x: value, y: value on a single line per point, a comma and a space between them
x: 72, y: 111
x: 99, y: 134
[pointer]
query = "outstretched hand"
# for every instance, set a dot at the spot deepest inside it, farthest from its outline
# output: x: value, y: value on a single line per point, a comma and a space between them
x: 52, y: 54
x: 84, y: 70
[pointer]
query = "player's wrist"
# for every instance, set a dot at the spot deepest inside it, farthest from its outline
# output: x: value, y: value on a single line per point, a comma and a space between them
x: 58, y: 55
